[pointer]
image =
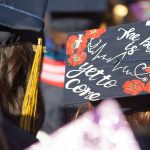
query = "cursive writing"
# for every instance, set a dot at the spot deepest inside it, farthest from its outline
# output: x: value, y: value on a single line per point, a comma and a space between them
x: 97, y: 51
x: 82, y: 90
x: 93, y: 74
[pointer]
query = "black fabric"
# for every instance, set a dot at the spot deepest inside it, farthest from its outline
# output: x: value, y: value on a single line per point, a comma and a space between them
x: 137, y: 103
x: 16, y: 138
x: 144, y: 140
x: 53, y: 107
x: 10, y: 36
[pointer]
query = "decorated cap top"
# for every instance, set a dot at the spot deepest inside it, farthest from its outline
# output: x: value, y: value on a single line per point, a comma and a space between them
x: 108, y: 63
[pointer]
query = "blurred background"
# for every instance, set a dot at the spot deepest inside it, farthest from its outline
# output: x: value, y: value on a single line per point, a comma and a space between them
x: 63, y: 17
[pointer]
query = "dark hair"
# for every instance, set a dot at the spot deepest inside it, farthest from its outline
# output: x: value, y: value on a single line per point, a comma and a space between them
x: 83, y: 108
x: 15, y: 66
x: 139, y: 121
x: 138, y: 115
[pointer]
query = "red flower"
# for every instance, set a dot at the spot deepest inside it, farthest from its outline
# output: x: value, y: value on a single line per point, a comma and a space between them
x: 95, y: 33
x: 77, y: 59
x: 71, y: 44
x: 133, y: 87
x: 147, y: 87
x: 148, y: 70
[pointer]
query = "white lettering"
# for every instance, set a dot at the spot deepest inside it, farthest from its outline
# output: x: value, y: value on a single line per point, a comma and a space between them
x: 129, y: 34
x: 82, y: 90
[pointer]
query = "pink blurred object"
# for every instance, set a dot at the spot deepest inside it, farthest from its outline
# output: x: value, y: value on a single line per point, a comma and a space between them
x: 141, y: 10
x: 102, y: 129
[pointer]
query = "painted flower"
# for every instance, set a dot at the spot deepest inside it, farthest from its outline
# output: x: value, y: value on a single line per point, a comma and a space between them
x: 148, y: 70
x: 147, y: 87
x: 133, y: 87
x: 95, y: 33
x: 72, y: 43
x: 77, y: 59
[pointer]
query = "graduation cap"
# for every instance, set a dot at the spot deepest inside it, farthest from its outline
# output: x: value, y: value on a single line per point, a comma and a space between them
x: 20, y: 22
x: 109, y: 63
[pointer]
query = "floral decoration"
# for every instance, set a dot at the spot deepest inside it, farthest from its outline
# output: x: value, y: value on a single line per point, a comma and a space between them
x: 147, y: 87
x: 133, y: 87
x: 95, y: 33
x: 76, y: 44
x: 148, y: 70
x: 77, y: 59
x: 71, y: 45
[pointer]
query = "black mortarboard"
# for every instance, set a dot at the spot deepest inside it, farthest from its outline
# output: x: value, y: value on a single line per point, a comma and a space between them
x: 24, y: 15
x: 22, y: 21
x: 108, y: 63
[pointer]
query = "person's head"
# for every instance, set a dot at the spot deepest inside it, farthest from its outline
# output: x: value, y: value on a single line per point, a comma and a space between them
x: 21, y: 28
x: 136, y: 110
x: 138, y: 115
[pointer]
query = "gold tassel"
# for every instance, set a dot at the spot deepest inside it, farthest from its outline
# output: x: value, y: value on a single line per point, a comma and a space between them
x: 30, y: 100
